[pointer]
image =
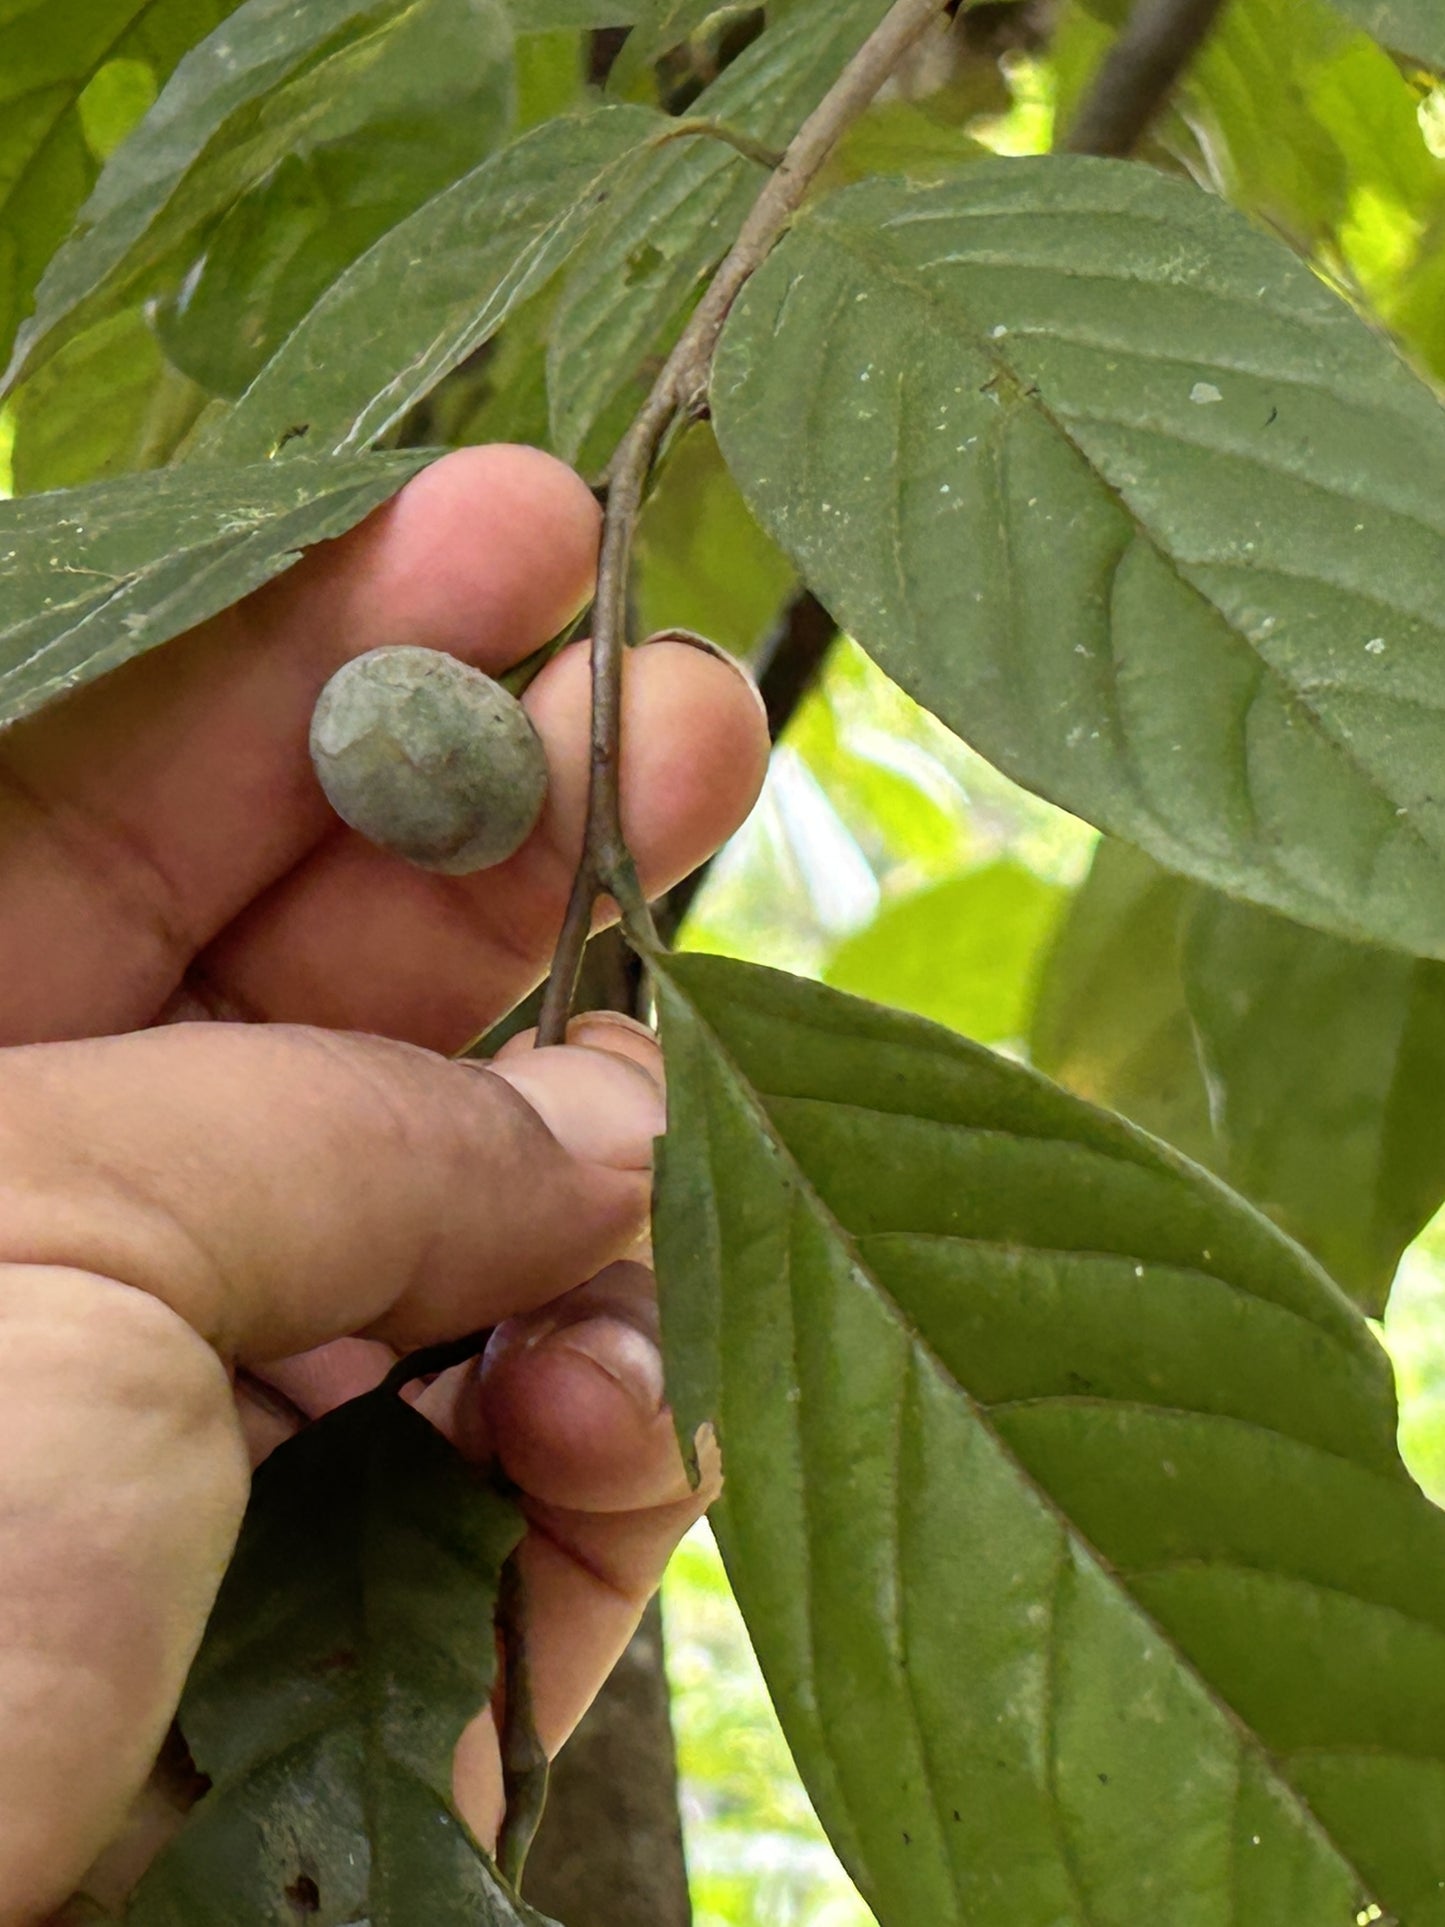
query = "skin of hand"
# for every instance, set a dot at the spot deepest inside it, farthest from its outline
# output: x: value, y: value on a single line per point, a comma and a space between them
x: 239, y: 1173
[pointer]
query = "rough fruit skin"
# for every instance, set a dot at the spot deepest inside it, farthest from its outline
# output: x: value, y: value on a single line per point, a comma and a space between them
x: 428, y: 758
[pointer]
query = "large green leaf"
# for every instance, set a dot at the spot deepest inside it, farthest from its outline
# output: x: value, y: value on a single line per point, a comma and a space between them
x: 49, y: 72
x: 1304, y: 1069
x: 676, y: 211
x: 90, y: 577
x: 1412, y: 27
x: 361, y: 358
x: 280, y: 148
x: 1132, y: 501
x: 1063, y: 1500
x: 962, y: 952
x: 349, y: 1646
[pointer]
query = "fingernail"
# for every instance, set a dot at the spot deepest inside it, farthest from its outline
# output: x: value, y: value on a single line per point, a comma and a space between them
x: 599, y: 1105
x: 609, y: 1030
x: 692, y: 640
x: 604, y: 1021
x: 620, y: 1350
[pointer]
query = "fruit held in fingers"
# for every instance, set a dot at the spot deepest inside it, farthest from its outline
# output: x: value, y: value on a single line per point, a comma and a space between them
x: 429, y: 758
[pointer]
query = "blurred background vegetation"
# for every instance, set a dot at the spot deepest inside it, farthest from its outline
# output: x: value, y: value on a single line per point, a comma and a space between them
x: 885, y: 857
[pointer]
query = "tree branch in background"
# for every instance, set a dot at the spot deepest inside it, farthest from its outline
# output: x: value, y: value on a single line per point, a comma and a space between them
x: 606, y: 866
x: 610, y: 1850
x: 791, y: 665
x: 1138, y: 74
x: 605, y: 46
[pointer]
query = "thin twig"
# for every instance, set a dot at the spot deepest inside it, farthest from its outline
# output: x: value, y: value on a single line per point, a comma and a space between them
x: 1138, y: 75
x: 524, y: 1759
x: 606, y: 867
x: 432, y: 1359
x: 740, y: 141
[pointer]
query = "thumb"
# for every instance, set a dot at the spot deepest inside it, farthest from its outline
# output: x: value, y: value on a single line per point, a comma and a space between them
x: 279, y: 1187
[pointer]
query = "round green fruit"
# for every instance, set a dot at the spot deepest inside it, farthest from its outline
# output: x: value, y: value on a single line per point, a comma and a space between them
x: 428, y: 758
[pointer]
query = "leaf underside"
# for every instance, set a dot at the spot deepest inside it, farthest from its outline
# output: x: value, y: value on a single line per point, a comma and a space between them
x: 47, y: 163
x: 161, y: 552
x: 349, y: 1647
x: 676, y: 213
x: 279, y: 147
x: 1120, y: 490
x: 361, y: 358
x: 1063, y: 1500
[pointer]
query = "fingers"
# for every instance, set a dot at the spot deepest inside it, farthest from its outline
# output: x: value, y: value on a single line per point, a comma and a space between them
x: 122, y: 1483
x: 280, y: 1188
x: 259, y: 1191
x: 354, y: 939
x: 570, y: 1401
x: 141, y: 815
x: 586, y: 1575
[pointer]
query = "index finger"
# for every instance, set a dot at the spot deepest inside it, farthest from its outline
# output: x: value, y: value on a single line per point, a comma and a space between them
x: 140, y: 816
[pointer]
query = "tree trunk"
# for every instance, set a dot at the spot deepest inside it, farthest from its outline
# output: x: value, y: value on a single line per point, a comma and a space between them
x: 609, y: 1850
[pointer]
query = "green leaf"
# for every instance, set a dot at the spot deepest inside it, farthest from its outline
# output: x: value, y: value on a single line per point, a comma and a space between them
x: 1063, y: 1500
x: 677, y: 210
x: 962, y: 952
x: 1303, y: 117
x: 1305, y: 1070
x: 1119, y: 489
x: 702, y: 561
x: 280, y: 148
x: 1110, y: 1019
x: 542, y: 16
x: 1415, y: 28
x: 349, y: 1646
x: 902, y: 137
x: 661, y: 26
x: 1300, y: 119
x: 551, y: 76
x: 440, y: 99
x: 361, y: 358
x: 91, y: 577
x: 108, y: 403
x: 64, y: 95
x: 1326, y: 1060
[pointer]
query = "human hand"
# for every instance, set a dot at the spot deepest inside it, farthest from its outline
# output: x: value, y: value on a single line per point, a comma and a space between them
x: 210, y: 1230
